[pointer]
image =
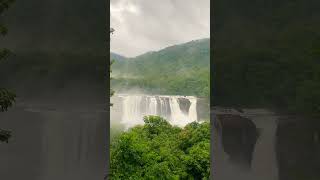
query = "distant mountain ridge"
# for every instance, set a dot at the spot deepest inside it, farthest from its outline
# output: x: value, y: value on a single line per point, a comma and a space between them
x: 190, y: 43
x: 188, y: 55
x: 117, y: 57
x: 182, y: 69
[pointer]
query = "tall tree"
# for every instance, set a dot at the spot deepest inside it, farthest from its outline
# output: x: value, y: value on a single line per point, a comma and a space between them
x: 111, y: 62
x: 111, y: 91
x: 7, y: 98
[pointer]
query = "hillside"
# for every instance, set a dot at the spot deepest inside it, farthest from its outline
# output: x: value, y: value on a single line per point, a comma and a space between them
x: 117, y: 57
x: 53, y: 76
x: 179, y: 69
x: 56, y: 26
x: 269, y: 52
x: 267, y: 55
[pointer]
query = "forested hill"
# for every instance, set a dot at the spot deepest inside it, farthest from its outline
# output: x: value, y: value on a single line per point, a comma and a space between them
x: 59, y: 50
x: 267, y: 54
x: 55, y: 76
x: 56, y: 26
x: 179, y: 69
x: 118, y: 57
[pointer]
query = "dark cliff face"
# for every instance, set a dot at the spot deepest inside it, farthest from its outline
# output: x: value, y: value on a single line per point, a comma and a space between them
x: 239, y: 136
x: 184, y: 104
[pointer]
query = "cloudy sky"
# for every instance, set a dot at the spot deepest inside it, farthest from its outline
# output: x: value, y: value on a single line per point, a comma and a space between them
x: 150, y: 25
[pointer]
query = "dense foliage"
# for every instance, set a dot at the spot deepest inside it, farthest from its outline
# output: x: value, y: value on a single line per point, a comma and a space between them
x: 180, y: 69
x: 36, y: 74
x: 55, y: 26
x: 111, y: 62
x: 267, y: 54
x: 158, y: 150
x: 7, y: 98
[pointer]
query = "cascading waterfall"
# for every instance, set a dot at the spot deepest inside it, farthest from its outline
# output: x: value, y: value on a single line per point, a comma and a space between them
x: 193, y: 109
x: 132, y: 110
x: 61, y: 143
x: 178, y: 110
x: 264, y: 162
x: 152, y: 106
x: 177, y: 117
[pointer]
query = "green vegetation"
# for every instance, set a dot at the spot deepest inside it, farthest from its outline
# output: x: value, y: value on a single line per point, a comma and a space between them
x: 35, y: 74
x: 267, y: 54
x: 111, y: 62
x: 57, y: 26
x: 7, y: 98
x: 180, y: 69
x: 158, y: 150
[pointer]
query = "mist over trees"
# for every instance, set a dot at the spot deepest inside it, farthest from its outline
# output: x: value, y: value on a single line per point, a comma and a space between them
x: 181, y: 69
x: 111, y: 62
x: 158, y: 150
x: 57, y: 50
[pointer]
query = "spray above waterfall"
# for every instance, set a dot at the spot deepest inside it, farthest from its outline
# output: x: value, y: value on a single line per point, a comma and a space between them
x: 178, y: 110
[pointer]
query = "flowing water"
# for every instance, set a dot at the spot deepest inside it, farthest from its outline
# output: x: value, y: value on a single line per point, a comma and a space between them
x: 178, y: 110
x: 264, y: 163
x: 50, y: 142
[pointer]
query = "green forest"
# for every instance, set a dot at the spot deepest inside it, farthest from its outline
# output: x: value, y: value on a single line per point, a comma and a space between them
x: 267, y: 55
x: 176, y: 70
x: 158, y: 150
x: 7, y: 98
x: 52, y: 72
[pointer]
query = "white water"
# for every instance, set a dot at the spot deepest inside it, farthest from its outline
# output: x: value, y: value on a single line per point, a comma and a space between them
x: 135, y: 107
x: 193, y: 109
x: 264, y: 162
x: 54, y: 143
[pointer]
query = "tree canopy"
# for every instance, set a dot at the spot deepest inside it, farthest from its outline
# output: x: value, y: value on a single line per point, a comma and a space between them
x: 7, y: 97
x: 267, y: 55
x: 177, y: 70
x: 158, y: 150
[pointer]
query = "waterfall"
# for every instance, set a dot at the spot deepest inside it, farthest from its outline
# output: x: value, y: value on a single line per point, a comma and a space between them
x: 177, y: 116
x: 132, y: 110
x: 61, y: 143
x: 224, y: 169
x: 264, y: 162
x: 193, y: 109
x: 178, y: 110
x: 152, y: 106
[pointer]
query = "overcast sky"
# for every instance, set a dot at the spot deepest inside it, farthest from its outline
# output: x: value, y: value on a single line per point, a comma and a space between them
x: 150, y: 25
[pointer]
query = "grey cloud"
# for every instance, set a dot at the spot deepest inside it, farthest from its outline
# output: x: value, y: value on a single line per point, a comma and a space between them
x: 147, y: 25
